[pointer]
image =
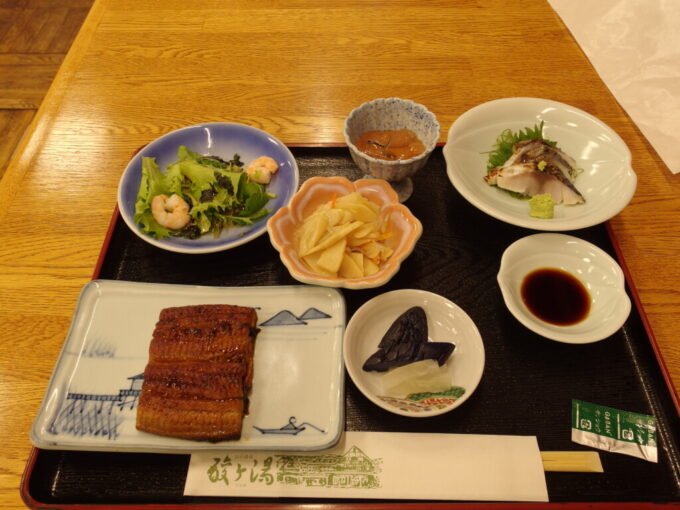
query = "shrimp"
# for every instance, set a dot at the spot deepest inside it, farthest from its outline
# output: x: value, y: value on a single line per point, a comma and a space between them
x: 172, y: 213
x: 260, y: 170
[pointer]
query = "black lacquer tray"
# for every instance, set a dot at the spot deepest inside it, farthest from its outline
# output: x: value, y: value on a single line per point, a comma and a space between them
x: 526, y: 389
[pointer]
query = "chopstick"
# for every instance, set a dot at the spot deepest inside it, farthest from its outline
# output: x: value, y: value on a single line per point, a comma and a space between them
x: 582, y: 462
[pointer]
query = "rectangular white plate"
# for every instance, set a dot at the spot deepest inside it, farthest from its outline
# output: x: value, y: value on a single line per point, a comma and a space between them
x: 297, y: 397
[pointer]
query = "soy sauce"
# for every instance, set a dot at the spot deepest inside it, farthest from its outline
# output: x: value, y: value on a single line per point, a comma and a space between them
x: 555, y: 296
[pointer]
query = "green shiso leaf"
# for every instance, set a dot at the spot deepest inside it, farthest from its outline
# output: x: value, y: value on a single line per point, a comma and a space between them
x: 502, y: 149
x: 255, y: 199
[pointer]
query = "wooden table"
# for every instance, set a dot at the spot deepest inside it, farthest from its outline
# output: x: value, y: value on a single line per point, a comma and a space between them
x: 140, y: 68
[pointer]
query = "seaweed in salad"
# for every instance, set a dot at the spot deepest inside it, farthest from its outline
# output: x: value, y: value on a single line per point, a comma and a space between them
x: 218, y: 193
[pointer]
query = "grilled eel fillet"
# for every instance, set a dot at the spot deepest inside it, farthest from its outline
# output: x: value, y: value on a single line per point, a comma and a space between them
x: 199, y: 371
x: 199, y: 419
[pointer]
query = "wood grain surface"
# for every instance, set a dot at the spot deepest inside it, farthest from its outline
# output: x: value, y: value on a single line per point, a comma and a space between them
x: 34, y: 38
x: 140, y: 68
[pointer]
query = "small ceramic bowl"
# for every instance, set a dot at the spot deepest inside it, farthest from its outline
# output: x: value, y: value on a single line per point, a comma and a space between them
x: 446, y: 322
x: 599, y: 273
x: 282, y: 226
x: 390, y: 114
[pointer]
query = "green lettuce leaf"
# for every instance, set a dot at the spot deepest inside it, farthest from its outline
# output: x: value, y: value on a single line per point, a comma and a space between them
x: 183, y: 152
x: 152, y: 183
x: 201, y: 177
x: 218, y: 192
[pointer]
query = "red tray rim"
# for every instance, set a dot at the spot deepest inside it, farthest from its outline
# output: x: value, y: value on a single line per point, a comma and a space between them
x: 33, y: 503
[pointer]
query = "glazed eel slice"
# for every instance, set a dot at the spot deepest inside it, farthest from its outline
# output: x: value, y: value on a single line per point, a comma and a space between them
x: 203, y: 420
x: 222, y: 333
x: 195, y: 380
x: 199, y: 371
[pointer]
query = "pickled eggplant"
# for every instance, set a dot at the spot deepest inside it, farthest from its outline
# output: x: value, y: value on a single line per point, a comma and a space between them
x: 406, y: 342
x: 438, y: 351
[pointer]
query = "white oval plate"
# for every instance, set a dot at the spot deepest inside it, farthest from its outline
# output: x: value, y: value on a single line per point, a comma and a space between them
x: 607, y: 182
x: 602, y: 276
x: 446, y: 322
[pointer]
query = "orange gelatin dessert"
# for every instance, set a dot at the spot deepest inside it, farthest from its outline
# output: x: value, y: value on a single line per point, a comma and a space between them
x: 390, y: 145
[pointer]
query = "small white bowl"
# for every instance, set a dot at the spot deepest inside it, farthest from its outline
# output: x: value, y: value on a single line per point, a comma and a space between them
x: 446, y: 322
x: 390, y: 114
x: 594, y: 268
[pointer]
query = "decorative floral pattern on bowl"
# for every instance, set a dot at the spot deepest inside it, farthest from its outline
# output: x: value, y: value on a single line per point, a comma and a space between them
x: 406, y: 228
x: 425, y: 402
x: 390, y: 114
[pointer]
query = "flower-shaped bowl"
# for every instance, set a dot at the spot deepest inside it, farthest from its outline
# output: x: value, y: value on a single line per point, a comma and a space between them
x: 283, y: 225
x: 607, y: 182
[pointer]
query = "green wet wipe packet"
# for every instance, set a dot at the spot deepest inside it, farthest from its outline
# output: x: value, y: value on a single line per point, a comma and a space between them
x: 613, y: 430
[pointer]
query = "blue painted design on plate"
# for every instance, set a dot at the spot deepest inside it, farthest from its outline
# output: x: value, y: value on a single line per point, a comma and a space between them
x: 313, y: 313
x: 290, y: 428
x: 288, y: 318
x: 284, y: 318
x: 96, y: 415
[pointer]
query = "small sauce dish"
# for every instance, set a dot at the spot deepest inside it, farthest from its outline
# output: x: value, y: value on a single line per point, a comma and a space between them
x: 607, y: 304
